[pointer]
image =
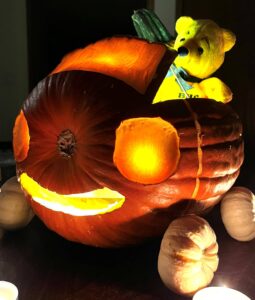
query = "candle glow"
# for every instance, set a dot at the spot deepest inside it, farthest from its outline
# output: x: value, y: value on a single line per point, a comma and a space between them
x: 219, y: 293
x: 8, y: 291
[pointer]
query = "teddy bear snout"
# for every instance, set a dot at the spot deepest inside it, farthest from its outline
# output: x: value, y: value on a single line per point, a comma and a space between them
x: 183, y: 51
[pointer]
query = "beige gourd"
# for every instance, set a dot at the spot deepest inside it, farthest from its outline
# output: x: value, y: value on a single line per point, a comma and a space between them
x: 188, y: 255
x: 238, y: 213
x: 15, y: 212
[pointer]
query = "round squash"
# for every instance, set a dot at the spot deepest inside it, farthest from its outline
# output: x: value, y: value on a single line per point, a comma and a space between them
x: 188, y: 255
x: 238, y: 213
x: 15, y: 211
x: 79, y: 132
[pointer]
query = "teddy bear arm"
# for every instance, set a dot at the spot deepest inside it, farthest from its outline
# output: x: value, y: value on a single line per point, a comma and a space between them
x: 215, y: 89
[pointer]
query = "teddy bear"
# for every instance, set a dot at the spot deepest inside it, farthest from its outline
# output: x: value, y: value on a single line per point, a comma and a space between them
x: 201, y: 46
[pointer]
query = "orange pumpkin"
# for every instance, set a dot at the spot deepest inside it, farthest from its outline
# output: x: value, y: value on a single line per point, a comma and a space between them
x: 103, y: 166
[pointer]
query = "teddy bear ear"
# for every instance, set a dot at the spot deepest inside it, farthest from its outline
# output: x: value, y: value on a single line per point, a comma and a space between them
x: 229, y: 39
x: 183, y: 23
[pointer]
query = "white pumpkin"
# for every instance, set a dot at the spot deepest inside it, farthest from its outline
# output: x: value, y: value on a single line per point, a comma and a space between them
x: 15, y: 212
x: 238, y: 213
x: 188, y: 255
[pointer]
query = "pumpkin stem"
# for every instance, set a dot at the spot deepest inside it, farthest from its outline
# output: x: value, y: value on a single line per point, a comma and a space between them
x: 66, y: 143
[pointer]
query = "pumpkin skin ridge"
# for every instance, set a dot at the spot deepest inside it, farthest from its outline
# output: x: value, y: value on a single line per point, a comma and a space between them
x: 230, y: 180
x: 200, y: 151
x: 227, y: 162
x: 227, y: 124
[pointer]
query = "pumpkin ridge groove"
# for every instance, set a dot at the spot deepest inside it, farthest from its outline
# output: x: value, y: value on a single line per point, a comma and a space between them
x: 199, y: 147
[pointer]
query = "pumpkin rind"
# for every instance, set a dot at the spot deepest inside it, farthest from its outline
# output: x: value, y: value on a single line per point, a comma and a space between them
x: 92, y: 106
x: 135, y: 55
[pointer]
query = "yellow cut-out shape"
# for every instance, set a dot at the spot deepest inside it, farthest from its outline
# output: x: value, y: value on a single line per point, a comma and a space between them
x: 95, y: 202
x: 146, y: 150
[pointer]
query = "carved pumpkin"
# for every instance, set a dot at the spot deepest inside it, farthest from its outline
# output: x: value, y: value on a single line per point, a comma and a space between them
x: 103, y: 166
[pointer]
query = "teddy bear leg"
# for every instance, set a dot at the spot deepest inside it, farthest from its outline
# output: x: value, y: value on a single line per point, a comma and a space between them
x: 215, y: 89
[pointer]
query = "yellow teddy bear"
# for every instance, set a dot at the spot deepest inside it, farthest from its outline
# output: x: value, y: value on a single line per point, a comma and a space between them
x: 201, y: 47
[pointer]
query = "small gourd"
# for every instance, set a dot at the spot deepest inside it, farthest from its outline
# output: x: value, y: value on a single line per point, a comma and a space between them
x: 238, y: 213
x: 188, y: 255
x: 15, y: 211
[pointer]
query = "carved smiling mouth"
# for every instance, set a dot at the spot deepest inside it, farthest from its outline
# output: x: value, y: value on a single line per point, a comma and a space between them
x: 95, y: 202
